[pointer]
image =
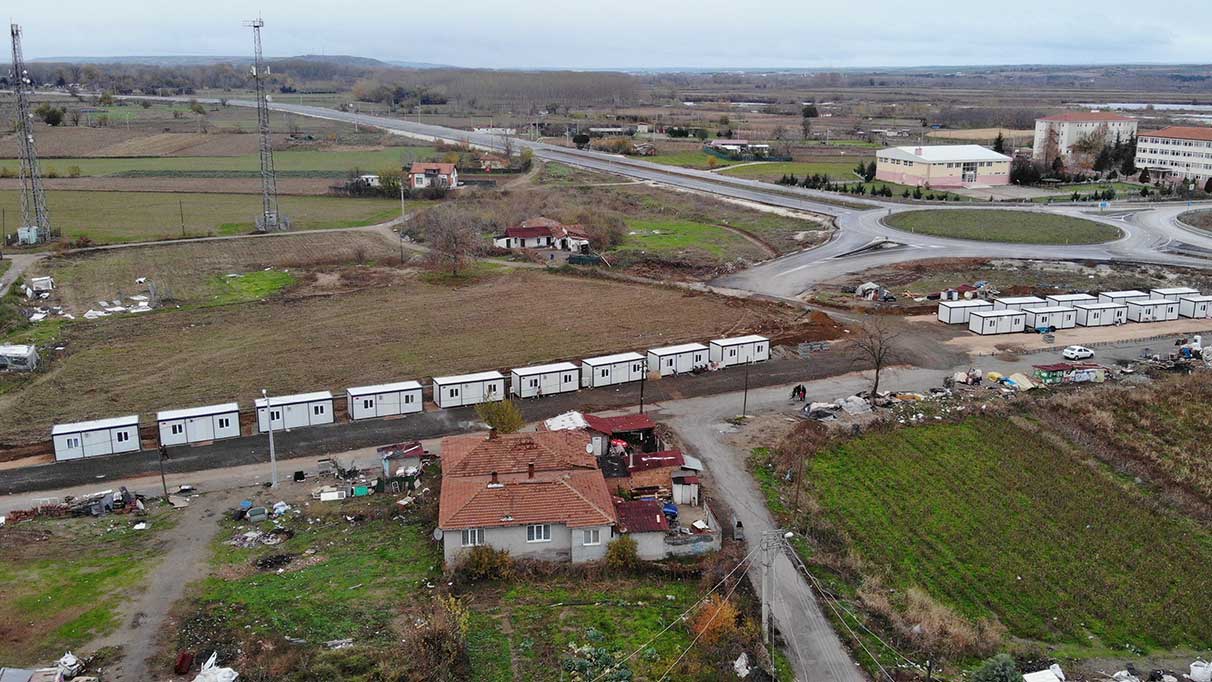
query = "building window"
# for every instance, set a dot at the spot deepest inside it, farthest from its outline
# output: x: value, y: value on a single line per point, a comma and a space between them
x: 534, y: 383
x: 225, y: 422
x: 122, y: 436
x: 453, y: 393
x: 539, y: 532
x: 732, y: 352
x: 176, y: 429
x: 408, y: 399
x: 275, y: 415
x: 593, y: 536
x: 604, y: 373
x: 568, y: 378
x: 73, y: 442
x: 317, y: 410
x: 473, y: 537
x: 637, y: 367
x: 368, y: 403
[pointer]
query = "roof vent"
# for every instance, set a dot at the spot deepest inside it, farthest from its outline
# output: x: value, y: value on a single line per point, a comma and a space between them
x: 494, y: 483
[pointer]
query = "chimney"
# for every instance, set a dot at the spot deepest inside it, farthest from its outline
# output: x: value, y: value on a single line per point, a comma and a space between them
x: 530, y: 470
x: 492, y: 434
x: 494, y: 479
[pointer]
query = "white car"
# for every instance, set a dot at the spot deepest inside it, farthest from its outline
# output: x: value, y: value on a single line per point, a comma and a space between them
x: 1077, y: 353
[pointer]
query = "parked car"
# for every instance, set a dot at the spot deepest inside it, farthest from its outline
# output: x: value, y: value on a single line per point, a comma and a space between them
x: 1077, y: 353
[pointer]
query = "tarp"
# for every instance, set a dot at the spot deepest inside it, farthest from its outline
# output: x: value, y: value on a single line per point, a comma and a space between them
x: 855, y: 405
x: 1021, y: 382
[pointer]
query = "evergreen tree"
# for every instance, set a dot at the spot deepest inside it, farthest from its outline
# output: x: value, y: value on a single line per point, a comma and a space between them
x: 869, y: 175
x: 1127, y: 157
x: 999, y: 143
x: 1208, y: 186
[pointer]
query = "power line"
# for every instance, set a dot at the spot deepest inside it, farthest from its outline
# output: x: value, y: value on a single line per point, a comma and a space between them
x: 690, y: 646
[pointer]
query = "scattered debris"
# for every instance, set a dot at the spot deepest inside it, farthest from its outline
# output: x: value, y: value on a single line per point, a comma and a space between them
x: 211, y: 672
x: 338, y: 643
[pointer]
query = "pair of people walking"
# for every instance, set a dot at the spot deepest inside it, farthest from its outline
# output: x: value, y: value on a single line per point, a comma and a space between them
x: 800, y: 393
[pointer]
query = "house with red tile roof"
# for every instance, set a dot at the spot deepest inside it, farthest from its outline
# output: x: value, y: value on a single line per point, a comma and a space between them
x: 423, y: 175
x: 646, y: 523
x: 544, y: 233
x: 539, y: 495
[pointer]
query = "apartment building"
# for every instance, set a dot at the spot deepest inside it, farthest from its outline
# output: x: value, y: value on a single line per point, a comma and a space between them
x: 1182, y: 151
x: 1056, y: 135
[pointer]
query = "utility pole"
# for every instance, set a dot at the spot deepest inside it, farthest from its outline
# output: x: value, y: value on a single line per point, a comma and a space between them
x: 745, y: 399
x: 181, y: 208
x: 163, y: 481
x: 273, y: 457
x: 772, y: 541
x: 643, y: 381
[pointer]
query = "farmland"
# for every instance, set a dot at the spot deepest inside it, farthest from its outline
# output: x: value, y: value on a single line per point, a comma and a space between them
x: 838, y: 171
x: 696, y: 158
x: 673, y: 237
x: 328, y: 162
x: 1019, y: 227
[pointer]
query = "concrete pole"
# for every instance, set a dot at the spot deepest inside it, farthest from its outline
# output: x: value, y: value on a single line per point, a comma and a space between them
x: 767, y: 582
x: 273, y: 457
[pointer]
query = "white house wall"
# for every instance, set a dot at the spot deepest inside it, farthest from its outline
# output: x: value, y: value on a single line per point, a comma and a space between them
x: 296, y: 415
x: 548, y: 383
x: 386, y: 404
x: 471, y: 393
x: 616, y: 373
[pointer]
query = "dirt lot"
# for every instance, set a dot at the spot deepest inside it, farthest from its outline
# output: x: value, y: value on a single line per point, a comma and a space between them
x: 398, y: 328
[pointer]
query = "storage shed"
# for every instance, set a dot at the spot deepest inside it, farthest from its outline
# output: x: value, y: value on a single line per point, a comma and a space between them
x: 1017, y: 302
x: 677, y: 359
x: 607, y: 370
x: 294, y: 411
x: 1058, y: 317
x: 986, y: 322
x: 1070, y: 299
x: 95, y: 438
x: 541, y: 380
x: 1101, y: 314
x: 1152, y: 310
x: 198, y: 424
x: 957, y: 312
x: 740, y: 350
x: 468, y: 389
x: 1173, y: 293
x: 1198, y: 306
x: 1124, y: 296
x: 383, y: 400
x: 18, y: 358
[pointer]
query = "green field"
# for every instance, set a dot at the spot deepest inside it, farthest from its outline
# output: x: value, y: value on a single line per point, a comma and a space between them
x: 1020, y: 227
x: 997, y: 520
x: 117, y: 217
x: 839, y: 171
x: 1123, y: 190
x: 336, y: 163
x: 670, y: 236
x: 690, y: 159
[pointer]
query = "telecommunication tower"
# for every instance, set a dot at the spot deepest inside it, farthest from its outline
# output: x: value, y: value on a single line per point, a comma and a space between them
x: 35, y: 219
x: 270, y: 219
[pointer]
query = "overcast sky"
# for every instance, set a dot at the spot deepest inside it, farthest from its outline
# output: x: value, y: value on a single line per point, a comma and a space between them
x: 636, y: 33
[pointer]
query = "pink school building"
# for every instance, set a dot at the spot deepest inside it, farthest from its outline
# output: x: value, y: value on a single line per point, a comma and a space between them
x: 958, y: 165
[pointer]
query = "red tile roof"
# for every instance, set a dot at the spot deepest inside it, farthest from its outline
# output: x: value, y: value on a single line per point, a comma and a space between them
x: 513, y: 453
x: 621, y: 424
x: 1182, y: 133
x: 522, y: 232
x: 545, y: 227
x: 573, y: 498
x: 1088, y: 116
x: 640, y: 516
x: 423, y: 167
x: 656, y: 460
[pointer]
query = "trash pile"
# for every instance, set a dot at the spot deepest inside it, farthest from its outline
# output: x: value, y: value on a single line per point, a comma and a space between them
x: 69, y: 668
x: 1201, y: 671
x: 139, y: 303
x: 93, y: 504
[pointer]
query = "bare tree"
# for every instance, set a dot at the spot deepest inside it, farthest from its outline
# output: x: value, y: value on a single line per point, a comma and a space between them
x: 455, y: 237
x: 876, y: 346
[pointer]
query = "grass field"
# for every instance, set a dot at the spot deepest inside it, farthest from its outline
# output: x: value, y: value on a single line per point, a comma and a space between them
x: 1065, y: 192
x: 1020, y: 227
x: 998, y: 520
x: 690, y: 159
x: 839, y: 171
x: 980, y: 134
x: 334, y: 162
x: 683, y: 236
x: 117, y: 217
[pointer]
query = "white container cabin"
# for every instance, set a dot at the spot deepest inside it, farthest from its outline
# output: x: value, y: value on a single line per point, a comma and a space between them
x: 1198, y: 307
x: 1018, y: 302
x: 1101, y: 314
x: 383, y: 400
x: 957, y: 312
x: 739, y: 350
x: 468, y: 389
x: 677, y: 359
x: 294, y: 411
x: 1124, y: 296
x: 1173, y: 293
x: 1059, y: 317
x: 541, y: 380
x: 1152, y: 310
x: 986, y: 322
x: 607, y: 370
x: 1070, y: 299
x: 96, y: 438
x: 198, y: 424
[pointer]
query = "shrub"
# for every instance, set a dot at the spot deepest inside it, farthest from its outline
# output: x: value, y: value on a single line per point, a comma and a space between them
x: 438, y: 647
x: 1000, y: 668
x: 73, y: 171
x: 589, y: 662
x: 486, y: 563
x: 622, y: 554
x: 716, y: 618
x: 503, y: 416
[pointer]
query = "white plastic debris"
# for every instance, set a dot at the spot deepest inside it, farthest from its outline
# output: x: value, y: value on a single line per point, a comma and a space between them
x: 1201, y: 671
x: 741, y: 665
x: 140, y: 526
x: 69, y: 666
x: 1125, y: 676
x: 211, y: 672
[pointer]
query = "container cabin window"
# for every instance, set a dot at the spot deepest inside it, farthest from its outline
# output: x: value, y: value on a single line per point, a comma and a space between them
x: 453, y: 393
x: 317, y: 410
x: 368, y: 404
x: 539, y: 532
x: 275, y: 415
x: 637, y: 367
x: 408, y: 399
x: 534, y: 383
x: 567, y: 378
x: 473, y: 537
x: 225, y: 422
x: 122, y: 436
x: 732, y: 352
x: 73, y: 442
x: 604, y: 373
x: 593, y: 536
x: 176, y: 429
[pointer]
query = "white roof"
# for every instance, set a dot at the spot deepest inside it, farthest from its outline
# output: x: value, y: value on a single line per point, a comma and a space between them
x: 96, y: 425
x: 692, y: 463
x: 469, y: 378
x: 674, y: 350
x: 737, y: 340
x: 1072, y: 297
x: 1050, y: 309
x: 1128, y: 293
x: 1098, y: 305
x: 1196, y: 297
x: 1151, y: 301
x: 997, y: 313
x: 204, y: 411
x: 385, y: 388
x: 611, y: 359
x: 1172, y: 291
x: 1041, y: 676
x: 1020, y: 299
x: 569, y: 421
x: 942, y: 153
x: 545, y: 369
x: 293, y: 399
x: 12, y: 350
x: 965, y: 303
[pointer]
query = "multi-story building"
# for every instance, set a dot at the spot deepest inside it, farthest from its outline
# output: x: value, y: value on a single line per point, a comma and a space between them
x: 1056, y: 135
x: 1177, y: 151
x: 954, y: 165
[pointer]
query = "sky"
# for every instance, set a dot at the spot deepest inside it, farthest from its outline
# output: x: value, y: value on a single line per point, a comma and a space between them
x: 636, y: 34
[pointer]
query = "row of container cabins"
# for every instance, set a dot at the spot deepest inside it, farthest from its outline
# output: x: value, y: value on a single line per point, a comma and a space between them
x: 1064, y: 311
x: 217, y: 422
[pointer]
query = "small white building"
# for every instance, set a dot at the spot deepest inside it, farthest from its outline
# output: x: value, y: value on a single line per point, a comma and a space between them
x: 1198, y: 307
x: 18, y: 358
x: 677, y: 359
x: 607, y: 370
x: 468, y: 389
x: 96, y: 438
x: 1124, y: 296
x: 1058, y: 317
x: 1152, y: 310
x: 294, y: 411
x: 1173, y: 293
x: 383, y: 400
x: 986, y: 322
x: 739, y: 350
x: 541, y: 380
x: 957, y: 312
x: 1070, y: 299
x: 1018, y: 302
x: 198, y: 424
x: 1101, y: 314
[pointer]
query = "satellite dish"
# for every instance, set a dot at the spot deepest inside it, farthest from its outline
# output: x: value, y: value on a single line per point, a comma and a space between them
x: 589, y: 448
x: 437, y: 533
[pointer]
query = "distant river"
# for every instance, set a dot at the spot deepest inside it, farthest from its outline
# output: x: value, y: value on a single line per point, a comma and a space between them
x: 1138, y: 106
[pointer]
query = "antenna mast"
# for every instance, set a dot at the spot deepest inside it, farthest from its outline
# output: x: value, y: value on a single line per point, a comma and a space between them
x: 270, y: 220
x: 35, y: 219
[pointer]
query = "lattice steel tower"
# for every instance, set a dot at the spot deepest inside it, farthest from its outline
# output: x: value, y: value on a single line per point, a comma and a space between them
x: 270, y: 220
x: 35, y: 219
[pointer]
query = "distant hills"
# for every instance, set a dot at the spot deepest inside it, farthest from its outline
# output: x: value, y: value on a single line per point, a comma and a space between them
x: 206, y: 60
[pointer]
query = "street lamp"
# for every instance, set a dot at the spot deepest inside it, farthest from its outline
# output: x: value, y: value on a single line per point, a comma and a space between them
x: 273, y: 458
